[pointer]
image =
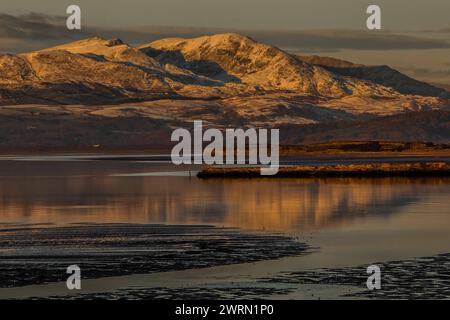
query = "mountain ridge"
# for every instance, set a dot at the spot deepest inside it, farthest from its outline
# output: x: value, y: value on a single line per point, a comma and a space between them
x: 381, y: 74
x: 227, y: 80
x: 221, y: 65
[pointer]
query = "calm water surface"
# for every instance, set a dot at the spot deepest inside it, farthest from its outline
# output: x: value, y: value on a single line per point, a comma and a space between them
x: 351, y: 220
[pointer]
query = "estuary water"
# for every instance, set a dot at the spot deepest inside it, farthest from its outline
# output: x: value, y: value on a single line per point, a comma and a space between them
x: 347, y: 221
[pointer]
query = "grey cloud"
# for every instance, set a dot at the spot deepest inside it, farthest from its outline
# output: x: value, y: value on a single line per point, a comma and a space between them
x: 309, y: 40
x: 424, y: 72
x: 443, y: 30
x: 33, y: 27
x: 349, y: 39
x: 35, y: 31
x: 439, y: 77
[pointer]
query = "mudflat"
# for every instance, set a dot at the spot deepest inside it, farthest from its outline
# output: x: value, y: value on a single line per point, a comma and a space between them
x: 41, y: 254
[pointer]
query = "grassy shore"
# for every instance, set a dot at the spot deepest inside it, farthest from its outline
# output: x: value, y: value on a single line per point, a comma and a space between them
x: 376, y: 169
x: 367, y: 149
x: 329, y: 149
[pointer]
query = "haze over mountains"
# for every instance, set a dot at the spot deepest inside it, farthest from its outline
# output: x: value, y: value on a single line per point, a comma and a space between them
x: 225, y: 79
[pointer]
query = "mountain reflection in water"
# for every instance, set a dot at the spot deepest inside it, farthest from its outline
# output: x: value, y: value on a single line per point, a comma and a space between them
x: 75, y: 192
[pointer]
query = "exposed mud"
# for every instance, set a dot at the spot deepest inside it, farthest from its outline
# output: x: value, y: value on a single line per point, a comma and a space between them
x: 35, y: 255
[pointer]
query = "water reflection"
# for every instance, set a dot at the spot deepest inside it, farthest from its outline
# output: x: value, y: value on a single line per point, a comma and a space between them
x: 87, y: 192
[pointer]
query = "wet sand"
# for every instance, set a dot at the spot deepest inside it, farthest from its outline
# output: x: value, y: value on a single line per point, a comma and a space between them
x: 417, y: 278
x: 33, y: 255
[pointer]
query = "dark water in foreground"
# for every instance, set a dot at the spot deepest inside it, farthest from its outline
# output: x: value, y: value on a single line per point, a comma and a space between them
x: 352, y: 220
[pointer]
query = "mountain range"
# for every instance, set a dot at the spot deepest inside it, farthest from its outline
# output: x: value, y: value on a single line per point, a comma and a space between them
x: 224, y: 80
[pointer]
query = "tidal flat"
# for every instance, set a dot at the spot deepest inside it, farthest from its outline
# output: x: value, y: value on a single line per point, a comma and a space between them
x: 34, y: 255
x: 418, y: 278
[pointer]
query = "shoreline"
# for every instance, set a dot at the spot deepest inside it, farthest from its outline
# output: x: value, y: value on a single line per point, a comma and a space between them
x: 338, y: 149
x: 418, y: 169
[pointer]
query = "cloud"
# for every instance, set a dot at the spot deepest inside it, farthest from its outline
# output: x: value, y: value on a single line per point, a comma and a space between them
x: 427, y: 72
x: 440, y: 77
x: 310, y: 40
x: 323, y: 40
x: 443, y: 30
x: 36, y: 31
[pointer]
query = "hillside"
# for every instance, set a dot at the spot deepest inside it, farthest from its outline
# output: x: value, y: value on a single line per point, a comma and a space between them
x: 413, y: 126
x: 96, y: 71
x: 383, y: 75
x: 34, y: 128
x: 107, y: 92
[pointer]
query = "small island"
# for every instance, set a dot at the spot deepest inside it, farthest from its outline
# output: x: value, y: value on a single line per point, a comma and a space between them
x: 353, y: 170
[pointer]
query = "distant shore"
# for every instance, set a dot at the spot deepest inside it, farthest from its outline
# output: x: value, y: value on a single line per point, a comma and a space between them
x: 354, y: 170
x: 342, y: 149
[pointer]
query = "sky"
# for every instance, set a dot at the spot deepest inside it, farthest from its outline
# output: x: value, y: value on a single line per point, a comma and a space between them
x: 246, y: 14
x: 415, y: 35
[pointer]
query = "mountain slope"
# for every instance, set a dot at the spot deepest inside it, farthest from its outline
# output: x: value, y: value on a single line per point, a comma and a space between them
x: 235, y: 58
x: 413, y: 126
x: 382, y: 75
x: 112, y: 50
x: 87, y: 72
x: 222, y: 67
